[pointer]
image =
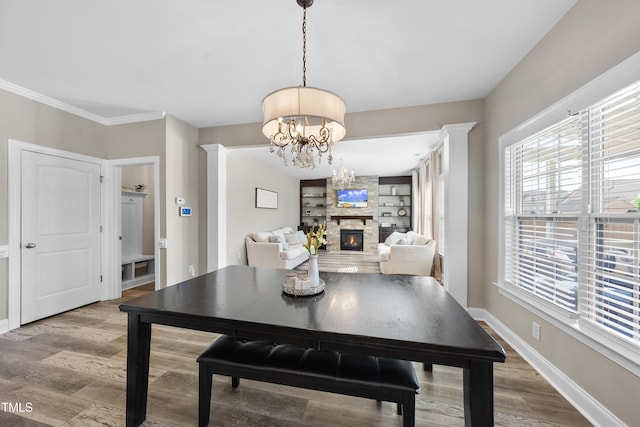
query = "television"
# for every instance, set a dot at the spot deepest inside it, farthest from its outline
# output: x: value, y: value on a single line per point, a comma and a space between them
x: 353, y: 198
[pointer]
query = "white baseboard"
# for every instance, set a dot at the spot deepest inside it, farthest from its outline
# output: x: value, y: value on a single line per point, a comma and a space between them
x: 589, y: 407
x: 4, y: 326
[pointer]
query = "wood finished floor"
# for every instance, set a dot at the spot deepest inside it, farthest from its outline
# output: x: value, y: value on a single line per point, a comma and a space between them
x: 71, y: 370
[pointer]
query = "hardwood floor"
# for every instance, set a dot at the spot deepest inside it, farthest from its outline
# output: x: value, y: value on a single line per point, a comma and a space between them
x: 70, y: 370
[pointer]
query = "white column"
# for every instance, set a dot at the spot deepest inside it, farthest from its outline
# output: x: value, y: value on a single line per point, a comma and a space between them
x: 455, y: 164
x: 216, y: 206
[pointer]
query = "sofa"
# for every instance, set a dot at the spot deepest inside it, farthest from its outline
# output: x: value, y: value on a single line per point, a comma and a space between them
x: 406, y: 253
x: 279, y: 248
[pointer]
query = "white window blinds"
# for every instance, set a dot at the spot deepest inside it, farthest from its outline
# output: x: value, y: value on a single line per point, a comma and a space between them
x: 614, y: 152
x: 543, y: 179
x: 572, y: 215
x: 610, y: 266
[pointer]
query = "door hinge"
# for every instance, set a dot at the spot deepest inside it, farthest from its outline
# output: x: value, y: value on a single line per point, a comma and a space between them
x: 101, y: 178
x: 101, y: 229
x: 101, y: 278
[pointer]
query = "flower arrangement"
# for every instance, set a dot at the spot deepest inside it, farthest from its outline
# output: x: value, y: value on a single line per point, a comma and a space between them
x: 315, y: 239
x: 636, y: 201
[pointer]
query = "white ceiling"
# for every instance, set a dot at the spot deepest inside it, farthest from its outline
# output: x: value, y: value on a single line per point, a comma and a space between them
x: 388, y: 156
x: 210, y: 62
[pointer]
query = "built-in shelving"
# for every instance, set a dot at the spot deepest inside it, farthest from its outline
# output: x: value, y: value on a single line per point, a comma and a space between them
x: 313, y: 202
x: 394, y: 205
x: 137, y: 271
x: 137, y: 268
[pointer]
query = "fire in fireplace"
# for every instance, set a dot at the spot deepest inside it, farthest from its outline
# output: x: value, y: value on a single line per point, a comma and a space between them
x: 351, y: 240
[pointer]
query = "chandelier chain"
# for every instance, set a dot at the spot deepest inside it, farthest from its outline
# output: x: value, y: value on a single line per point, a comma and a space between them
x: 304, y: 47
x: 308, y: 121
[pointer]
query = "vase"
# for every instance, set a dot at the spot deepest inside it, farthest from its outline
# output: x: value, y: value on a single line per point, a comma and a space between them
x: 312, y: 273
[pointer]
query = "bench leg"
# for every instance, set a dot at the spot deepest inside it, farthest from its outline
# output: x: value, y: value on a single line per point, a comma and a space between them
x: 409, y: 405
x: 204, y: 396
x: 235, y: 382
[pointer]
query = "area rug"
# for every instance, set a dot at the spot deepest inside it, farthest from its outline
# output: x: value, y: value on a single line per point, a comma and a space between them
x: 344, y: 262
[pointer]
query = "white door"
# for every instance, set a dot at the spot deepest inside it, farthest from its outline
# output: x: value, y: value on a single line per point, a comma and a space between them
x: 60, y: 235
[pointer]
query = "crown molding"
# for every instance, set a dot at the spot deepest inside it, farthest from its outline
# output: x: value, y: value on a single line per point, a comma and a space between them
x: 134, y: 118
x: 107, y: 121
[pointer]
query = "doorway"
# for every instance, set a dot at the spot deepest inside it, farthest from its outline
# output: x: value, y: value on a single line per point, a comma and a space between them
x: 110, y: 269
x: 136, y: 226
x: 136, y: 220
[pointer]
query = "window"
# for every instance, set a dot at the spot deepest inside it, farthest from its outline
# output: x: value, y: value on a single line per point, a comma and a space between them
x: 572, y: 215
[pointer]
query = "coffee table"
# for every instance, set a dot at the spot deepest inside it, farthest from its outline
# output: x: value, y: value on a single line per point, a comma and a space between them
x: 395, y: 316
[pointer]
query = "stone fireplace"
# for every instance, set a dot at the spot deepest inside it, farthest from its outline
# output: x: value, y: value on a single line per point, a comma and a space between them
x: 364, y: 220
x: 351, y: 240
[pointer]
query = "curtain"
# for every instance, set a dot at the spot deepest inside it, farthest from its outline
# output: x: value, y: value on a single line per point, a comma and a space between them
x: 434, y: 214
x: 416, y: 200
x: 425, y: 218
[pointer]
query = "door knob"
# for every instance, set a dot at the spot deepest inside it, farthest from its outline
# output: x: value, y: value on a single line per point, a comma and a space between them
x: 29, y: 245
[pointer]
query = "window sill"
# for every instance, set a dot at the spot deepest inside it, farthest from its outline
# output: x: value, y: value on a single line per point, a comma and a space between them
x: 624, y: 354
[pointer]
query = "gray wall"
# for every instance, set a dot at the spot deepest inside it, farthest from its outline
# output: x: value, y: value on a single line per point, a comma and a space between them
x: 592, y: 38
x: 183, y: 237
x: 28, y: 121
x: 244, y: 174
x: 176, y: 144
x: 142, y: 140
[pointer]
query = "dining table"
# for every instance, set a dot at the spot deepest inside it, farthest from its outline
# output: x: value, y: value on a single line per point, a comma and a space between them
x: 393, y: 316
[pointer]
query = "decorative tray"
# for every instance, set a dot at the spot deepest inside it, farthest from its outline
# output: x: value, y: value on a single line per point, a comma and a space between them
x: 303, y: 288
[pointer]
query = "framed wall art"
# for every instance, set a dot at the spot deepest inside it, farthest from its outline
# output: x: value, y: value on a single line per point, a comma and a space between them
x: 266, y: 199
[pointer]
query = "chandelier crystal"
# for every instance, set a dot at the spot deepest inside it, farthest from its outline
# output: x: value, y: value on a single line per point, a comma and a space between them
x: 307, y: 119
x: 342, y: 179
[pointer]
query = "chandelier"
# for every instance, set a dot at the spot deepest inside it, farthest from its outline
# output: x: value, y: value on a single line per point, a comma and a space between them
x: 342, y: 179
x: 307, y: 119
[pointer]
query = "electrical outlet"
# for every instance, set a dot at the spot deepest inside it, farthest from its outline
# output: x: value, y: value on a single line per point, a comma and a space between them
x: 239, y: 255
x: 535, y: 331
x: 192, y: 270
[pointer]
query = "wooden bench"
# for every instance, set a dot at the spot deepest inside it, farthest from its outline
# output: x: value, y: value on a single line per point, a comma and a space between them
x: 355, y: 375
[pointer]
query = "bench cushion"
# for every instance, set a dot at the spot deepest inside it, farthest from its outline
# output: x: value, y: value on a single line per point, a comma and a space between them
x: 323, y: 365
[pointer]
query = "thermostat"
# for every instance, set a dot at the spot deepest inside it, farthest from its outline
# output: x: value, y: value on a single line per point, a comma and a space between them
x: 185, y: 211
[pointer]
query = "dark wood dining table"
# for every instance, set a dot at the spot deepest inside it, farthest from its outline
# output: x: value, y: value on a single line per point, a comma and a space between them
x: 395, y: 316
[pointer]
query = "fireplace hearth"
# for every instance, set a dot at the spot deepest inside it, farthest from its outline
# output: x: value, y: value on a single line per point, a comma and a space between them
x: 351, y: 240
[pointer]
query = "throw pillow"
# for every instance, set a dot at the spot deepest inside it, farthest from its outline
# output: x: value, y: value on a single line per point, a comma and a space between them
x: 279, y: 232
x: 278, y: 239
x: 394, y: 237
x: 420, y: 240
x: 261, y: 236
x: 301, y: 236
x: 292, y: 238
